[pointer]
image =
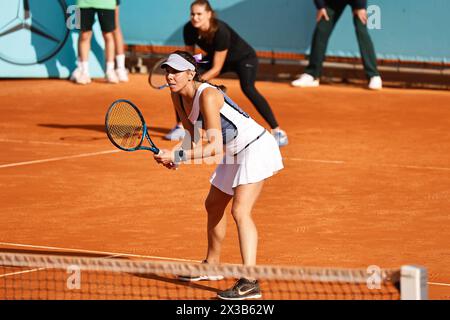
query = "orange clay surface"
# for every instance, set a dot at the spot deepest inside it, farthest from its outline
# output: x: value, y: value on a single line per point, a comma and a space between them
x: 366, y: 178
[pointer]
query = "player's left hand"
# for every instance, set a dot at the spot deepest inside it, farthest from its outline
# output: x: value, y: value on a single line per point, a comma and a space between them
x: 361, y: 14
x: 165, y: 157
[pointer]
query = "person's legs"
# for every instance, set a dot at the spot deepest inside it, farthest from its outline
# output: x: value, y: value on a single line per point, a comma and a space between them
x: 120, y: 49
x: 322, y: 33
x: 368, y: 54
x: 84, y: 45
x: 81, y: 73
x: 109, y: 57
x: 320, y: 40
x: 109, y: 47
x: 108, y: 25
x: 244, y: 199
x: 366, y: 47
x: 118, y: 36
x: 215, y: 205
x: 247, y: 70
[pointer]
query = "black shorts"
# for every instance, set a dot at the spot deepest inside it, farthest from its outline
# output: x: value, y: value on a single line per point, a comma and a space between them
x: 105, y: 17
x: 118, y: 2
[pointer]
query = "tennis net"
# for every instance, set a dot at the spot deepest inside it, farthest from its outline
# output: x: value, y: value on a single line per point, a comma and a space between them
x: 54, y: 277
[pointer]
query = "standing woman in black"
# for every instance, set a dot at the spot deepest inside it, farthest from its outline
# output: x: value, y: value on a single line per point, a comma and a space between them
x: 226, y: 52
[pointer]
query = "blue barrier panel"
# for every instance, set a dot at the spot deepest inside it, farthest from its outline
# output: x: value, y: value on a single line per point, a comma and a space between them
x: 36, y: 43
x: 401, y: 29
x: 43, y: 46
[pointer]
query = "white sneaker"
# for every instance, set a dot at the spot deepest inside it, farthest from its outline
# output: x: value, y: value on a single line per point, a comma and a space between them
x: 200, y: 278
x: 111, y: 76
x: 210, y: 277
x: 375, y: 83
x: 75, y: 74
x: 80, y: 77
x: 305, y: 81
x: 176, y: 134
x: 122, y: 74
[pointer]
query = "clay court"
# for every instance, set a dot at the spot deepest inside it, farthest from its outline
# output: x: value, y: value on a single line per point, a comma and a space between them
x: 366, y: 178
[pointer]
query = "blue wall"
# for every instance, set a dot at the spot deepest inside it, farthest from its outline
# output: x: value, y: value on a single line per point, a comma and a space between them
x: 410, y: 30
x: 23, y: 46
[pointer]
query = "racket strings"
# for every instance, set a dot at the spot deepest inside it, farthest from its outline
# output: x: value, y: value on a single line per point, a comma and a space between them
x: 125, y: 126
x: 158, y: 75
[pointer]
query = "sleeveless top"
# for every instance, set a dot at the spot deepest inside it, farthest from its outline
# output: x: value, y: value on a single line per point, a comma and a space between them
x: 239, y: 130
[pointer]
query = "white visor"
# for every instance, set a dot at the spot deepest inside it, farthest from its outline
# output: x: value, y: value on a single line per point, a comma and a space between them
x: 178, y: 63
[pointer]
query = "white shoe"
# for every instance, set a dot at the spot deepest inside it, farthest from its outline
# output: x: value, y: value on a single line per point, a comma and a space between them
x: 111, y: 76
x: 305, y: 81
x: 75, y: 74
x: 375, y: 83
x: 210, y: 277
x: 176, y: 134
x: 80, y: 77
x: 200, y: 278
x: 122, y: 74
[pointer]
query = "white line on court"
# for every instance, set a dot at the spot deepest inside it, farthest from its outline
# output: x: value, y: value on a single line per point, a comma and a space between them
x: 338, y: 162
x: 20, y: 272
x: 414, y: 167
x: 439, y: 284
x: 111, y: 254
x: 376, y: 164
x: 40, y: 269
x: 83, y: 155
x: 40, y: 142
x: 316, y: 161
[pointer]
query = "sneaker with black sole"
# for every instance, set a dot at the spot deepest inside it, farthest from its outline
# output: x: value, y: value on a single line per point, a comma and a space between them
x: 243, y: 289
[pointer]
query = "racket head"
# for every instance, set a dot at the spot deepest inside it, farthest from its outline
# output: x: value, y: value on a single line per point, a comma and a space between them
x: 157, y: 77
x: 125, y: 126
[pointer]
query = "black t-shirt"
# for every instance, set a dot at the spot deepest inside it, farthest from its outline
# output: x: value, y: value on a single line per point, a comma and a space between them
x: 225, y: 38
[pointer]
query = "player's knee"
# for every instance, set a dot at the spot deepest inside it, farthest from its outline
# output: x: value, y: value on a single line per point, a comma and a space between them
x: 109, y: 36
x: 239, y: 214
x: 86, y: 35
x: 248, y: 89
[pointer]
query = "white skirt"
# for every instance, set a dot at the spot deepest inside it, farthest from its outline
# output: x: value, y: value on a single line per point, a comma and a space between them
x: 259, y: 161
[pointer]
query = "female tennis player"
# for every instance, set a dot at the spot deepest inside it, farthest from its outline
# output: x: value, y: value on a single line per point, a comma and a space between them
x: 226, y: 52
x: 250, y: 155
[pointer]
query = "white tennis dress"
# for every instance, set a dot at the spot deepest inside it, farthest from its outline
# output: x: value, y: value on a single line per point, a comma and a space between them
x: 251, y: 153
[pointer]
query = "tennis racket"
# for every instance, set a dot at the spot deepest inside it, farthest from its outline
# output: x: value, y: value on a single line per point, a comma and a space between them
x: 126, y: 127
x: 157, y: 77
